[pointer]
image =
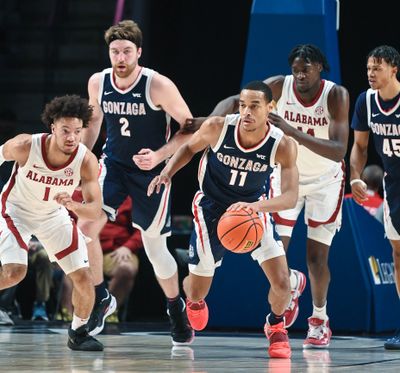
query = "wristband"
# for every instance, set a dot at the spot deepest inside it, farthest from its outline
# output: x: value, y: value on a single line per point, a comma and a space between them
x: 357, y: 181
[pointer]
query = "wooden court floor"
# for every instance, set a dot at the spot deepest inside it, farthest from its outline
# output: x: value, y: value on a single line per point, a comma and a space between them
x: 41, y: 347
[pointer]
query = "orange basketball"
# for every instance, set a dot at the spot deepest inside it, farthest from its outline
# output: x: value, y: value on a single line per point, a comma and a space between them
x: 240, y: 231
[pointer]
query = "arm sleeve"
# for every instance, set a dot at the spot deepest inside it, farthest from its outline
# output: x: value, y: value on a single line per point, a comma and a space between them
x: 359, y: 121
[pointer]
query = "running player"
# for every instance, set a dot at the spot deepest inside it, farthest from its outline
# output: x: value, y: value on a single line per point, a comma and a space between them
x: 240, y: 151
x: 137, y: 104
x: 314, y: 112
x: 377, y: 111
x: 36, y: 200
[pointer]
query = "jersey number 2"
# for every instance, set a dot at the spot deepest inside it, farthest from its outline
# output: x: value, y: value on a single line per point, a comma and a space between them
x: 124, y: 128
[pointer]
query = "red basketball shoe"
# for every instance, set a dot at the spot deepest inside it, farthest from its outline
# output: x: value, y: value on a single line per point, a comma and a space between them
x: 319, y: 334
x: 292, y: 311
x: 197, y: 313
x: 279, y: 346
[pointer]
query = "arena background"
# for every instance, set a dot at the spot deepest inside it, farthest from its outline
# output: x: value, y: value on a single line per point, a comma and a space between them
x: 50, y: 47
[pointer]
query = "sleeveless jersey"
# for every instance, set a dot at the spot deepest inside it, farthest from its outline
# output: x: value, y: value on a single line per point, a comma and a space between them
x: 385, y: 127
x: 313, y: 119
x: 33, y: 186
x: 132, y: 120
x: 230, y: 173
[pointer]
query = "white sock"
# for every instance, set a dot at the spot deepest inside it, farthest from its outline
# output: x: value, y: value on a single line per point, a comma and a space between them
x: 320, y: 312
x: 77, y: 322
x: 293, y: 279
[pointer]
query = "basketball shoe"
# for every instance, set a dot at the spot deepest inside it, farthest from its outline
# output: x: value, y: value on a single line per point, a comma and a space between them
x: 197, y: 313
x: 319, y: 334
x: 394, y: 342
x: 279, y: 346
x: 80, y: 340
x: 292, y: 311
x: 181, y: 331
x: 100, y: 312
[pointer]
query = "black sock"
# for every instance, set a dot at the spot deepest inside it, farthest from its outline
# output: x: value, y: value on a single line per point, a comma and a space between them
x: 174, y: 303
x: 274, y: 319
x: 101, y: 292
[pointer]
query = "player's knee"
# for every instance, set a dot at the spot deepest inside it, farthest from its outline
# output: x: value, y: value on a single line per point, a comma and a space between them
x: 13, y: 273
x: 81, y: 278
x: 163, y: 262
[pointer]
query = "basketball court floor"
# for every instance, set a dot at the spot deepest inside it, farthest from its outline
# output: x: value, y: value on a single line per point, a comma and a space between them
x: 146, y: 347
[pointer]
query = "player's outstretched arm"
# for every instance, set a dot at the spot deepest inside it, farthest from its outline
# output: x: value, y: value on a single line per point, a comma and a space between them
x: 91, y: 133
x: 206, y: 136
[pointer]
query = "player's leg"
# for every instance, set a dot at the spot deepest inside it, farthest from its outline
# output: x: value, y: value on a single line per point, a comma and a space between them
x: 285, y: 222
x: 272, y: 259
x: 394, y: 236
x: 66, y: 245
x: 323, y: 215
x: 205, y: 255
x: 13, y: 251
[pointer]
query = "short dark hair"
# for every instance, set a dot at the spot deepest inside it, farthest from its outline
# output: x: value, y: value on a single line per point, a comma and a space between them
x: 387, y: 53
x: 68, y: 106
x: 373, y: 176
x: 124, y: 30
x: 258, y: 85
x: 309, y: 53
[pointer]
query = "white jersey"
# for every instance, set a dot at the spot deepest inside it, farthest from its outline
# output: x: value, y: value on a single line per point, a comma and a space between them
x: 32, y: 187
x: 314, y: 119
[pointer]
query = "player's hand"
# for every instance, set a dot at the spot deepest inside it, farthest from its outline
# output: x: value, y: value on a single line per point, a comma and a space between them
x: 279, y: 122
x: 121, y: 255
x: 359, y: 192
x: 146, y: 159
x: 162, y: 179
x: 249, y: 207
x: 193, y: 124
x: 64, y: 199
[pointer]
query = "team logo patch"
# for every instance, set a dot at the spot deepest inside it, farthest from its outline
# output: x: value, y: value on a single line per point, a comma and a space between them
x: 68, y: 171
x: 319, y: 110
x: 191, y: 251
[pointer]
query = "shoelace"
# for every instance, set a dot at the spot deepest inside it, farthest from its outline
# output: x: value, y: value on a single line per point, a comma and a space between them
x: 317, y: 332
x: 270, y: 330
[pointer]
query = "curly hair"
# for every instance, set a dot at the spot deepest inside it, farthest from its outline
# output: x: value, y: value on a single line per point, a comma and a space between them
x: 309, y: 53
x: 388, y: 54
x: 68, y: 106
x: 124, y: 30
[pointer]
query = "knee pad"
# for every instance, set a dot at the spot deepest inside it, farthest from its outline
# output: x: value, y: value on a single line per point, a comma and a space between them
x: 163, y: 262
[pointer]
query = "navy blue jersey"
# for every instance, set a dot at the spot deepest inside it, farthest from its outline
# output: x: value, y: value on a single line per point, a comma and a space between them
x: 132, y: 120
x: 230, y: 173
x: 382, y: 118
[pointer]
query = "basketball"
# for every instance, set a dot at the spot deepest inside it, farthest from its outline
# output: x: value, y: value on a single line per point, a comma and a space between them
x: 240, y: 231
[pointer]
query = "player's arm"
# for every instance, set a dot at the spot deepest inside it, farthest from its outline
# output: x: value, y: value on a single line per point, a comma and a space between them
x: 91, y: 208
x: 91, y: 133
x: 16, y: 149
x: 335, y: 147
x: 206, y: 136
x: 358, y: 160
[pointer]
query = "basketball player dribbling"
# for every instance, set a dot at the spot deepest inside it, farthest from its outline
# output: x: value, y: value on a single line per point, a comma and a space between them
x: 314, y: 112
x: 36, y: 200
x: 240, y: 152
x: 377, y: 110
